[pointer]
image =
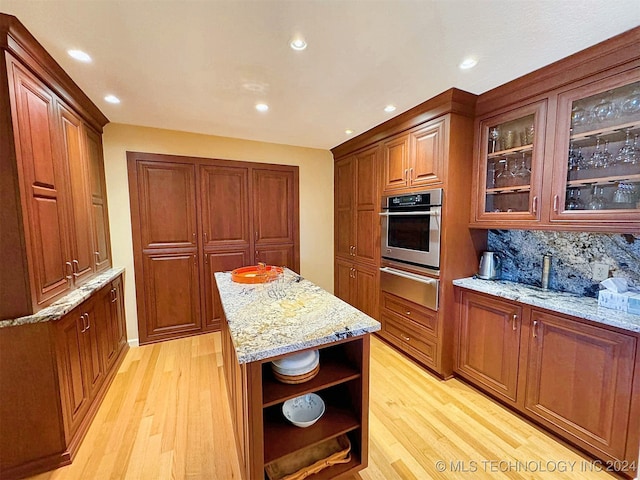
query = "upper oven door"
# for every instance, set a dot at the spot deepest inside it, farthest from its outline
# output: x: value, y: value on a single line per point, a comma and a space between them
x: 412, y: 236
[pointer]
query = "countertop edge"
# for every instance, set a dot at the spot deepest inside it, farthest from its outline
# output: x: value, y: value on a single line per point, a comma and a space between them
x: 585, y: 308
x: 319, y: 342
x: 61, y: 307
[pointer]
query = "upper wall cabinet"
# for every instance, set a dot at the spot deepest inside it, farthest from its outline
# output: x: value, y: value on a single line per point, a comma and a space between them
x: 54, y: 216
x: 415, y: 158
x: 596, y: 168
x: 559, y: 149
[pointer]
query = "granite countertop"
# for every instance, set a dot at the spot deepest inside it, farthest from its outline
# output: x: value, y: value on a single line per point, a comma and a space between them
x: 267, y: 320
x: 61, y: 307
x: 561, y: 302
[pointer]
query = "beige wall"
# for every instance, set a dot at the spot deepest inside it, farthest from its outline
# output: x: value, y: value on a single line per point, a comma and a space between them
x: 316, y: 194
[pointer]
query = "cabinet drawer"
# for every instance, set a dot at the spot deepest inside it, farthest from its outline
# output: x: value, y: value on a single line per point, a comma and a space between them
x: 411, y: 334
x: 424, y: 317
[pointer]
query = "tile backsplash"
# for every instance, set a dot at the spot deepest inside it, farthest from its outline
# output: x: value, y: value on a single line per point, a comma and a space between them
x: 573, y: 252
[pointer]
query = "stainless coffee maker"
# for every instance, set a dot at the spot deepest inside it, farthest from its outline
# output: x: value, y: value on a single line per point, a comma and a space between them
x: 490, y: 266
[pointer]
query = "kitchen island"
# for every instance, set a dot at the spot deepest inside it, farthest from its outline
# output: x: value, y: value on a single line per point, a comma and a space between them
x: 264, y: 322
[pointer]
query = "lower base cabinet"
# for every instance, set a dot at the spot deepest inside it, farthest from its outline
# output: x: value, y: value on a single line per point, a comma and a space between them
x: 264, y: 437
x: 571, y: 377
x: 358, y: 285
x: 60, y: 371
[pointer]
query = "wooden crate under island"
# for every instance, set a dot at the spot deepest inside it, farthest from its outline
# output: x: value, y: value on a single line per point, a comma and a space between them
x: 264, y: 322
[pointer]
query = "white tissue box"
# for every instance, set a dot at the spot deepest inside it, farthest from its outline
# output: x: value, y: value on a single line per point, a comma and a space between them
x: 628, y: 302
x: 613, y: 300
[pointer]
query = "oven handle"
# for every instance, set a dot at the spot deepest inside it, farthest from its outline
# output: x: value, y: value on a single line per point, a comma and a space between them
x: 433, y: 213
x: 410, y: 276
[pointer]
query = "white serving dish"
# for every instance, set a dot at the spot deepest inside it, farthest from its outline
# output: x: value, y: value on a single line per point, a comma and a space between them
x: 297, y: 364
x: 303, y: 411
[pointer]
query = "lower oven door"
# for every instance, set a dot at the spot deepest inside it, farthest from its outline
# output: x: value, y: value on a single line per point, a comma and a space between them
x: 416, y: 288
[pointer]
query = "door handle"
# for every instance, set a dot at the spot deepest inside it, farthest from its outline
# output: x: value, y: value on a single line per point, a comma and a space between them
x: 411, y: 173
x: 206, y: 259
x: 555, y: 203
x: 534, y: 330
x: 88, y: 321
x: 70, y: 276
x: 206, y: 240
x: 534, y: 207
x: 514, y: 320
x: 84, y: 323
x: 76, y: 267
x: 256, y: 236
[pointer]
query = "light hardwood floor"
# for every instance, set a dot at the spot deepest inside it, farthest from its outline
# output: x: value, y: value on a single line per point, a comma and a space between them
x: 166, y: 416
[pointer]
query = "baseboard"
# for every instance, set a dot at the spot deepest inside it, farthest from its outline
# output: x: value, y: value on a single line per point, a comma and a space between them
x: 134, y: 342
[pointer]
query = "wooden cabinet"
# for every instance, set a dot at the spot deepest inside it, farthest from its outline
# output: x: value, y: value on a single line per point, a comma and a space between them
x: 192, y: 217
x: 579, y: 380
x: 65, y: 368
x: 48, y: 244
x: 574, y: 378
x: 357, y: 203
x: 508, y: 182
x: 583, y: 169
x: 358, y: 285
x: 488, y: 343
x: 264, y: 436
x: 415, y: 158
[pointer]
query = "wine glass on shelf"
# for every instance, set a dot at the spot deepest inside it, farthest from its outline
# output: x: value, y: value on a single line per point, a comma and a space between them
x: 631, y: 103
x: 627, y: 153
x: 578, y: 116
x: 504, y: 176
x: 522, y: 171
x: 606, y: 110
x: 494, y: 134
x: 597, y: 201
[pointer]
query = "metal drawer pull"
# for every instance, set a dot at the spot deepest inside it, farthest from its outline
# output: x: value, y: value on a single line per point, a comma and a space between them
x: 534, y: 331
x: 69, y: 277
x: 88, y: 321
x: 410, y: 276
x: 405, y: 338
x: 433, y: 213
x: 515, y: 320
x: 408, y: 312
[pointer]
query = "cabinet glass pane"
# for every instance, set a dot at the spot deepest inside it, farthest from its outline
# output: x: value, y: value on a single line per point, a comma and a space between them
x: 509, y: 165
x: 603, y: 156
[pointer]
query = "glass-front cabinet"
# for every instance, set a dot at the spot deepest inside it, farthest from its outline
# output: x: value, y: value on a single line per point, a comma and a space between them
x: 510, y: 164
x: 596, y: 172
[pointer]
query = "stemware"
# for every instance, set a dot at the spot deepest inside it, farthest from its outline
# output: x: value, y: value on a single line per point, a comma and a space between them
x: 504, y: 176
x: 627, y: 153
x: 578, y: 116
x: 605, y: 110
x: 574, y: 202
x: 631, y: 103
x: 522, y: 171
x: 494, y: 135
x: 597, y: 201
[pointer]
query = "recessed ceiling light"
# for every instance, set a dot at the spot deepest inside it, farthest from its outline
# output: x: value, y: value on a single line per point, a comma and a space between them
x: 389, y: 108
x: 112, y: 99
x: 298, y: 43
x: 79, y: 55
x: 468, y: 63
x: 262, y: 107
x: 348, y: 131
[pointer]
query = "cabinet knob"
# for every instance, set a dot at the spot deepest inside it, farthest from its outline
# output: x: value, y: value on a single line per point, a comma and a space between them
x: 405, y: 338
x: 408, y: 312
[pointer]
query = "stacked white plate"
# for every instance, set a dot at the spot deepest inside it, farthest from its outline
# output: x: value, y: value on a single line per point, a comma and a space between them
x: 297, y: 368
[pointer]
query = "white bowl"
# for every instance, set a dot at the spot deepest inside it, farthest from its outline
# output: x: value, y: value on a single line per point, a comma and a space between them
x: 298, y: 363
x: 303, y: 411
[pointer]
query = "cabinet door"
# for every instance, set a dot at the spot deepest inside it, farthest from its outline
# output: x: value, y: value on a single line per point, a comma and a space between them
x: 42, y: 176
x: 224, y: 193
x: 275, y: 206
x: 112, y: 331
x: 281, y: 255
x: 95, y: 319
x: 98, y: 194
x: 219, y: 261
x: 579, y: 380
x: 171, y: 295
x: 343, y: 280
x: 489, y: 343
x: 427, y: 154
x: 72, y: 366
x: 167, y: 205
x: 117, y: 313
x: 596, y: 167
x: 395, y: 164
x: 508, y: 168
x: 80, y: 221
x: 367, y: 220
x: 365, y: 295
x: 344, y: 207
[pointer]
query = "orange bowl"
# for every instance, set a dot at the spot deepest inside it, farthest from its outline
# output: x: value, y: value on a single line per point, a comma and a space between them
x: 254, y: 274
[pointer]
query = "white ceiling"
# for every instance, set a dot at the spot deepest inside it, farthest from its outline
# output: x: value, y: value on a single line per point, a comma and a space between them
x: 201, y: 66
